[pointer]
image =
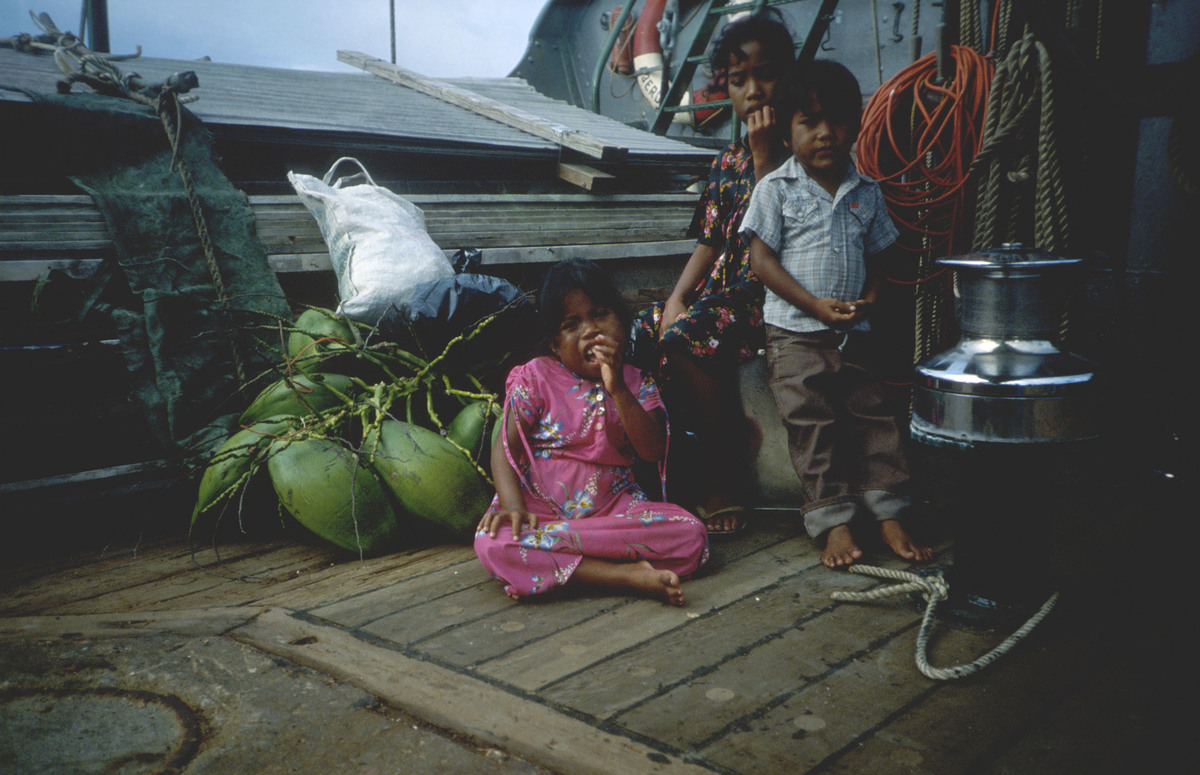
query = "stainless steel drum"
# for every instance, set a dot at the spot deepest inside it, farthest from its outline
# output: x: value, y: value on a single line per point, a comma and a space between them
x: 1006, y: 381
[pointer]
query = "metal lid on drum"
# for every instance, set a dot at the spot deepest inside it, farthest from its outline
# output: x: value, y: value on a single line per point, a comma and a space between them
x: 1009, y: 256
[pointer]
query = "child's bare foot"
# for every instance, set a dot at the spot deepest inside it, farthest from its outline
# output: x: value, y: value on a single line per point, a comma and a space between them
x: 640, y: 576
x: 895, y: 536
x: 662, y: 584
x: 840, y: 548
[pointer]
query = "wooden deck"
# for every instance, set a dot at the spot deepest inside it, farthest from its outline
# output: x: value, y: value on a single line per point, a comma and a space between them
x: 761, y: 672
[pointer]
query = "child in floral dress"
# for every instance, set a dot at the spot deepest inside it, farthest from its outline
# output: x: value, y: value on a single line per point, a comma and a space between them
x: 567, y: 507
x: 712, y: 321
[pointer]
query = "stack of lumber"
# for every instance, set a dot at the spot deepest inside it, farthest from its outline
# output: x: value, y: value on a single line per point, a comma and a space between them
x: 66, y: 232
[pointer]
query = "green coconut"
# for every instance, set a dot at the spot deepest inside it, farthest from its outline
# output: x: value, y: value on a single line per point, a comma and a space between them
x: 234, y: 460
x: 470, y: 430
x: 298, y: 396
x: 321, y: 340
x: 431, y: 479
x: 325, y: 487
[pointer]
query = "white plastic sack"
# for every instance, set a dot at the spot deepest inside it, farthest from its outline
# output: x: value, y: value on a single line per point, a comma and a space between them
x: 377, y: 242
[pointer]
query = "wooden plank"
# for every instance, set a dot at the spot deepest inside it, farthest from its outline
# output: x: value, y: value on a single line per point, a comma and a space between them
x: 764, y: 674
x: 74, y: 587
x: 946, y: 730
x: 241, y: 581
x: 552, y: 658
x: 95, y: 242
x: 18, y: 572
x: 486, y: 623
x: 586, y: 177
x: 440, y: 201
x: 356, y: 578
x: 197, y: 622
x: 702, y: 645
x: 87, y: 574
x: 1101, y: 730
x: 456, y: 701
x: 139, y: 470
x: 484, y: 106
x: 814, y: 724
x: 595, y: 252
x: 82, y: 269
x: 456, y: 572
x: 447, y: 612
x: 494, y: 627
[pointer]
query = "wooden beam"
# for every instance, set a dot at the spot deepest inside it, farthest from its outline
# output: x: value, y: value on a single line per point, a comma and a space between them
x: 582, y: 142
x: 454, y: 699
x: 26, y: 270
x: 66, y: 233
x: 152, y: 470
x: 586, y: 177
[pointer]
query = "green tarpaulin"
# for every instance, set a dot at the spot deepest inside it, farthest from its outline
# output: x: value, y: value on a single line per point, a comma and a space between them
x: 178, y: 335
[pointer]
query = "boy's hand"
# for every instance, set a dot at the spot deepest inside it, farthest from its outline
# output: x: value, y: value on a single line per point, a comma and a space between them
x: 492, y: 521
x: 611, y: 360
x: 836, y: 313
x: 862, y: 309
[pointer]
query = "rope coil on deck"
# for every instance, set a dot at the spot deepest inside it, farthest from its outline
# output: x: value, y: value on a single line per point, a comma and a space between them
x: 935, y: 589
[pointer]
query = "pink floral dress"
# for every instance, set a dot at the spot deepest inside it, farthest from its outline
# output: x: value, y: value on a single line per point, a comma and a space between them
x: 577, y: 476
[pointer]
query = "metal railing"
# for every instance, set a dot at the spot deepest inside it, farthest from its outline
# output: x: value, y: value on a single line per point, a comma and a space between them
x: 695, y: 43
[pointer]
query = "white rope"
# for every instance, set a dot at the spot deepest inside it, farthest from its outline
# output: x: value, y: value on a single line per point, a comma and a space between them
x: 935, y: 589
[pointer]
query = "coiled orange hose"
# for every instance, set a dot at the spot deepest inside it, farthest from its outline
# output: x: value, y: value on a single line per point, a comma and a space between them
x: 918, y: 138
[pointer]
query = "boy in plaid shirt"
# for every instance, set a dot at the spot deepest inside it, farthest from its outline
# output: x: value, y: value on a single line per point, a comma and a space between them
x: 820, y: 232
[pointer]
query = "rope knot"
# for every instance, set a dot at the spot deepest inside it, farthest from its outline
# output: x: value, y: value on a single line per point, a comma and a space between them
x: 934, y: 589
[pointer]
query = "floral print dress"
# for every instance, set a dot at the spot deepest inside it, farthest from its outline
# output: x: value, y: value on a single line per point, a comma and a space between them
x: 723, y: 324
x: 576, y: 474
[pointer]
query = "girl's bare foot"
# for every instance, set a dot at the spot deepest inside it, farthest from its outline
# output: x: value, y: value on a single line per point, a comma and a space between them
x: 895, y: 536
x: 640, y: 576
x: 662, y: 584
x: 840, y: 548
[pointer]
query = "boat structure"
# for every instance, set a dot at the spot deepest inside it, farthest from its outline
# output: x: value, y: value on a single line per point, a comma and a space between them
x: 224, y: 554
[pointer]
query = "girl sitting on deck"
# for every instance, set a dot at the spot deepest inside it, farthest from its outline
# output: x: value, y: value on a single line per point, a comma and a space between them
x: 567, y: 506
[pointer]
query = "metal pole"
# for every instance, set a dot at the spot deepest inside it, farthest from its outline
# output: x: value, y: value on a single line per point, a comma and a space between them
x: 392, y: 26
x: 614, y: 29
x: 95, y: 19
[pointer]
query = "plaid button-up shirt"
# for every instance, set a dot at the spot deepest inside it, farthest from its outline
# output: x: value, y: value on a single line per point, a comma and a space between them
x: 821, y: 240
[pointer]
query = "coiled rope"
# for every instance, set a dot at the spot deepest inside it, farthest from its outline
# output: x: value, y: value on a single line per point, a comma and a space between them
x: 935, y: 589
x: 1019, y: 156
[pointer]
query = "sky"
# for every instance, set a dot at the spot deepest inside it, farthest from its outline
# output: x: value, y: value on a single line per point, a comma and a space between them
x: 438, y: 38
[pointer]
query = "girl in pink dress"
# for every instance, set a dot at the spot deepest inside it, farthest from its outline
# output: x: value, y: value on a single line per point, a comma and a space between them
x: 567, y: 506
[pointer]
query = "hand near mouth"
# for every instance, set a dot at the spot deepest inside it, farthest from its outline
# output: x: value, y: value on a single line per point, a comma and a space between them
x: 604, y: 351
x: 761, y: 137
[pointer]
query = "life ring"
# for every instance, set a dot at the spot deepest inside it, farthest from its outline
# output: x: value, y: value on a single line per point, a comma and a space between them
x: 648, y: 67
x: 621, y: 61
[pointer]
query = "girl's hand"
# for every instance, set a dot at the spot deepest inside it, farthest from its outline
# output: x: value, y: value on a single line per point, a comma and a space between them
x: 673, y: 309
x: 760, y: 134
x: 609, y: 355
x: 836, y: 313
x: 493, y: 520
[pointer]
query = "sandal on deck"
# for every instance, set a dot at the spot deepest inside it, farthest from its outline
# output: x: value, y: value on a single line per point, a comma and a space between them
x: 728, y: 511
